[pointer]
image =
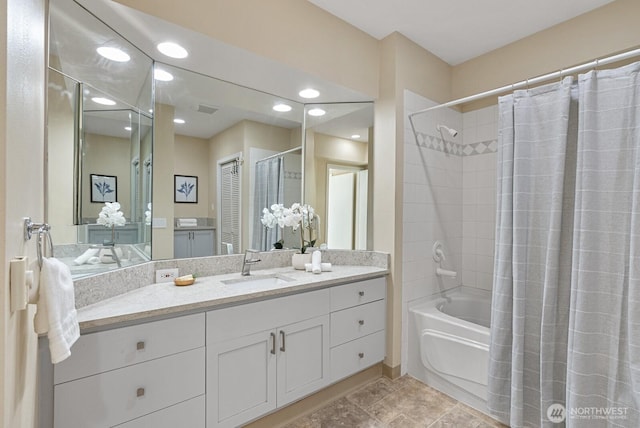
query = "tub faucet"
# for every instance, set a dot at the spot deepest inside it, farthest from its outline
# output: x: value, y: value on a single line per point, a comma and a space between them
x: 248, y: 261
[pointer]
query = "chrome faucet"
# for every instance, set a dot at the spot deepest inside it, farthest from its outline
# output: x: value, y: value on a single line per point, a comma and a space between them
x: 248, y: 261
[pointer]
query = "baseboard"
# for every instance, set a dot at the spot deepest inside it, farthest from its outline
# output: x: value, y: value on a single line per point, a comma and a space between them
x: 318, y: 400
x: 391, y: 372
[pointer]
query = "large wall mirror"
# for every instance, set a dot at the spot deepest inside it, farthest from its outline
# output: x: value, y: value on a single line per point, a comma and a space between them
x: 99, y: 143
x: 192, y: 160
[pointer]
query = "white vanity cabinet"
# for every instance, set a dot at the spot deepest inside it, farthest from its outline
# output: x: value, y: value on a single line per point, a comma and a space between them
x: 139, y: 376
x: 264, y: 355
x: 193, y: 243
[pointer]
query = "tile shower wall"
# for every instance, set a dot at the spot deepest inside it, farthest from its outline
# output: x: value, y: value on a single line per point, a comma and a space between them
x: 449, y: 195
x: 480, y: 132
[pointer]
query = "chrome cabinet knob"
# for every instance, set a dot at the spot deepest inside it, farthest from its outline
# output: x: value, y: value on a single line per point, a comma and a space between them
x: 361, y: 355
x: 140, y: 392
x: 361, y: 293
x: 361, y: 322
x: 140, y: 346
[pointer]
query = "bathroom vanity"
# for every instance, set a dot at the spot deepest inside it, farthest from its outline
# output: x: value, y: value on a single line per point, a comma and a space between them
x: 219, y: 353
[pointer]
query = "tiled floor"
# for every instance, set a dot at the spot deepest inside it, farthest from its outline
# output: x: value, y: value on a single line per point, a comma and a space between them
x: 404, y: 403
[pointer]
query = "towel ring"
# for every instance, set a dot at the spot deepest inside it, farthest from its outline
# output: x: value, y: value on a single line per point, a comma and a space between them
x: 43, y: 232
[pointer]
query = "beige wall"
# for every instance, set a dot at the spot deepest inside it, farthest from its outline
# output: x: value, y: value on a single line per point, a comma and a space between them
x: 103, y: 156
x: 21, y: 194
x: 596, y: 34
x: 163, y: 164
x: 192, y: 158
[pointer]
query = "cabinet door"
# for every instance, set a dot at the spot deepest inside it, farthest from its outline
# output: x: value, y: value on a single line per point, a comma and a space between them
x: 181, y: 244
x: 241, y: 383
x: 127, y: 236
x: 188, y: 414
x: 202, y: 243
x: 303, y: 358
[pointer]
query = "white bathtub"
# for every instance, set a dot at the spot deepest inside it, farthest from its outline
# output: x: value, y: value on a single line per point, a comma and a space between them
x: 453, y: 343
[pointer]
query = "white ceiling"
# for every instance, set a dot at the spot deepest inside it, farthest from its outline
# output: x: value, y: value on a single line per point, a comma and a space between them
x: 457, y: 30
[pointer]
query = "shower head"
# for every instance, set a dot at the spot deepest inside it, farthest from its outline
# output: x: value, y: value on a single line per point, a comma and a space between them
x: 451, y: 131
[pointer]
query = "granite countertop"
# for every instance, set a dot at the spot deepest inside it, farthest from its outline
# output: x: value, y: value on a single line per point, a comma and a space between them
x: 209, y: 292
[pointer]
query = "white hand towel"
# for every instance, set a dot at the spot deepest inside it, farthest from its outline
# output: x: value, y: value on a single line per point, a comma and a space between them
x: 325, y: 267
x: 56, y: 313
x: 316, y: 262
x: 84, y: 257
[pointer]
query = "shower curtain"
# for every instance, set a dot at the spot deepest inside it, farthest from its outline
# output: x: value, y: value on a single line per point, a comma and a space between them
x: 269, y: 190
x: 565, y: 326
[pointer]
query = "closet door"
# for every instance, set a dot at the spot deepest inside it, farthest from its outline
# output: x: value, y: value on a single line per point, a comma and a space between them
x: 229, y: 205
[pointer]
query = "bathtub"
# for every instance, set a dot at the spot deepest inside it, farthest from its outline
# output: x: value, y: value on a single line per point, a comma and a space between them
x: 453, y: 343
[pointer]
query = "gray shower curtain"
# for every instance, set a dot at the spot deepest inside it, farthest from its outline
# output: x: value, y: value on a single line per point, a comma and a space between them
x: 565, y: 327
x: 269, y: 190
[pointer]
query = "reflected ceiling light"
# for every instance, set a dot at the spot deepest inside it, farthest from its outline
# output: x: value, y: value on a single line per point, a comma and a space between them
x: 355, y: 136
x: 114, y: 54
x: 282, y: 108
x: 162, y: 75
x: 103, y: 101
x: 309, y: 93
x: 172, y: 50
x: 180, y: 121
x: 127, y: 128
x: 316, y: 112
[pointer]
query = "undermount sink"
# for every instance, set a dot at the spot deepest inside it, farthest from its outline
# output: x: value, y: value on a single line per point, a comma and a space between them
x: 273, y: 280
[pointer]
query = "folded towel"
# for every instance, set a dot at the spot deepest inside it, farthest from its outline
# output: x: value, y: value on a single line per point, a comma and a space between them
x: 84, y: 257
x: 326, y: 267
x: 56, y: 313
x: 187, y: 222
x: 94, y: 261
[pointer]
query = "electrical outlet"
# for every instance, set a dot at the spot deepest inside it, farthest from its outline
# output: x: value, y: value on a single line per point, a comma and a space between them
x: 165, y: 275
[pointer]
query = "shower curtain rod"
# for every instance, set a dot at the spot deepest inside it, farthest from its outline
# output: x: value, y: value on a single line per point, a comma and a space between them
x: 280, y: 154
x: 525, y: 83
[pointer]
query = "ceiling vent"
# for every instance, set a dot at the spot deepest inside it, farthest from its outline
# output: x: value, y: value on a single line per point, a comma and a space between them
x: 206, y: 109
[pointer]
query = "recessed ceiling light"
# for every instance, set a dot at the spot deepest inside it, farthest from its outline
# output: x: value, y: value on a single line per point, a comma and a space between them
x: 127, y: 128
x: 114, y: 54
x: 162, y: 75
x: 180, y: 121
x: 309, y: 93
x: 354, y: 136
x: 316, y: 112
x: 172, y: 50
x: 103, y: 101
x: 282, y: 108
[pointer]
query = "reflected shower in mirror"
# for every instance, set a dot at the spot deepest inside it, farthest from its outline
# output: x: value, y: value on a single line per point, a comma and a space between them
x: 220, y: 133
x: 339, y: 138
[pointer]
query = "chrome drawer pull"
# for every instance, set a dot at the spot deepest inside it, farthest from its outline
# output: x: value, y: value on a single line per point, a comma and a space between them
x: 273, y: 343
x: 361, y: 322
x: 361, y: 293
x: 140, y: 345
x: 140, y: 392
x: 282, y: 348
x: 361, y: 355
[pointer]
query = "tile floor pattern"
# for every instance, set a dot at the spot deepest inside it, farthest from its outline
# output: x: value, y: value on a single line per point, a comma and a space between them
x: 401, y: 403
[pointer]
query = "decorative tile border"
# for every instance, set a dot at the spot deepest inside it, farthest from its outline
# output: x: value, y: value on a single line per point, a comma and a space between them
x: 293, y: 175
x: 436, y: 143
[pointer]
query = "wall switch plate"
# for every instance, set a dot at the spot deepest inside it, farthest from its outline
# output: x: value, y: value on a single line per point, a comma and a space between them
x: 166, y: 275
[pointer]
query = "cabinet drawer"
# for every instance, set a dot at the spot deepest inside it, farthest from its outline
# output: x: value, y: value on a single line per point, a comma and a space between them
x: 189, y: 414
x: 236, y: 321
x: 353, y: 323
x: 108, y: 350
x: 346, y: 296
x: 121, y: 395
x: 356, y: 355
